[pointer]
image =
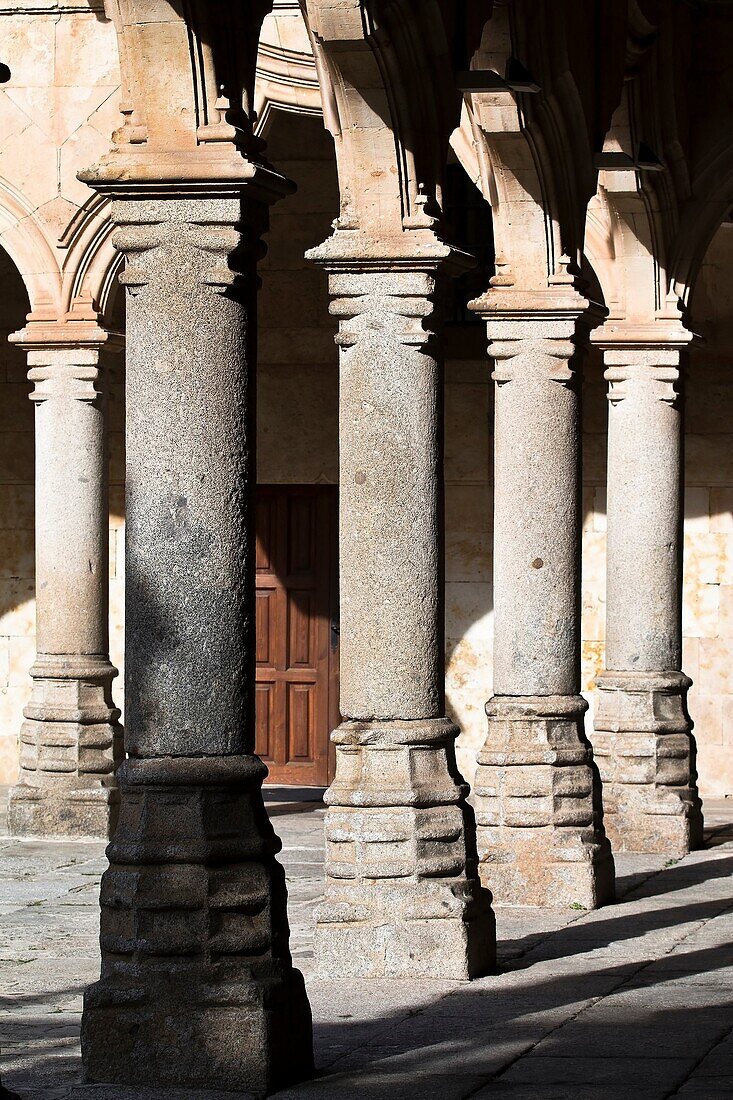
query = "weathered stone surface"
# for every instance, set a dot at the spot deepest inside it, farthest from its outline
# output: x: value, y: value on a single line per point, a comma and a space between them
x: 194, y: 937
x: 643, y: 742
x: 540, y: 833
x: 197, y: 980
x: 644, y: 751
x: 538, y: 804
x: 402, y: 892
x: 71, y: 740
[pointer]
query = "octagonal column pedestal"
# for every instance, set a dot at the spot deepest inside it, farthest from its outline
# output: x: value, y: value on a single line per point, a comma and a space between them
x: 197, y: 987
x: 642, y: 738
x: 538, y: 807
x: 402, y: 897
x: 70, y: 741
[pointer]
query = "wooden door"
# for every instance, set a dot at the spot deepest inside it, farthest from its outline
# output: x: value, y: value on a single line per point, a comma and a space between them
x: 297, y: 631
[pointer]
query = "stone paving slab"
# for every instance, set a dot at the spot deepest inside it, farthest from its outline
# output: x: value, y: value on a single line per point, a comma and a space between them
x: 632, y: 1000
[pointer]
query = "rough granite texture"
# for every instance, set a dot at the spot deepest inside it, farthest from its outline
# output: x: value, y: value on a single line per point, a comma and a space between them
x: 642, y: 728
x: 633, y: 999
x: 537, y: 792
x: 197, y: 982
x: 70, y: 740
x: 402, y: 897
x: 391, y: 520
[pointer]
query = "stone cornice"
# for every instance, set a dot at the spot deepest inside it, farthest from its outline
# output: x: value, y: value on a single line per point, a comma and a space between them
x: 200, y: 172
x: 353, y: 251
x: 662, y: 334
x: 78, y: 328
x: 558, y: 303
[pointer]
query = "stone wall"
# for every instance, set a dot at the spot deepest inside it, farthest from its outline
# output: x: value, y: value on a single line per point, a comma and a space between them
x: 708, y: 582
x: 60, y: 106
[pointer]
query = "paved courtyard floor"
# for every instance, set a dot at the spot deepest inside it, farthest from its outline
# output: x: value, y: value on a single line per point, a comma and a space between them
x: 634, y: 1000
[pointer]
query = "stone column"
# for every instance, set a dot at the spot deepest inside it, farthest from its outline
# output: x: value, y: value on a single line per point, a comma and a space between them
x: 402, y: 893
x: 70, y: 741
x: 540, y: 832
x: 197, y: 988
x: 642, y: 729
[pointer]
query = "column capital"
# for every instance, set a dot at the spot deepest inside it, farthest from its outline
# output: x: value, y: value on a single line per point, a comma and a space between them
x: 536, y: 331
x: 214, y: 234
x: 63, y: 352
x: 643, y: 358
x: 374, y: 280
x: 79, y: 328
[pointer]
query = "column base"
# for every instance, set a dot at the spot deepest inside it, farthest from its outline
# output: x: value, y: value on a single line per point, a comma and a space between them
x: 540, y: 830
x: 70, y: 745
x: 645, y: 753
x: 227, y: 1034
x: 197, y: 987
x: 403, y: 898
x: 73, y: 812
x: 411, y: 933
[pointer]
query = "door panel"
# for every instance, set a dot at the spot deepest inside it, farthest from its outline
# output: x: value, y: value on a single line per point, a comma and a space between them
x: 265, y: 626
x: 264, y: 717
x: 297, y: 635
x: 301, y: 722
x: 303, y: 627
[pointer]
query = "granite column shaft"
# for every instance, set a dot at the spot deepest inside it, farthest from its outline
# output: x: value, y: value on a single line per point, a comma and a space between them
x: 642, y: 728
x: 197, y: 987
x: 402, y: 893
x: 70, y: 741
x: 540, y: 833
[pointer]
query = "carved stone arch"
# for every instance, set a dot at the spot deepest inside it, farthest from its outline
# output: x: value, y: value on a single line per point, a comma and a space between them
x: 199, y: 121
x: 30, y: 249
x: 624, y: 244
x: 91, y: 263
x: 287, y: 77
x: 534, y: 135
x: 673, y: 117
x: 700, y: 220
x: 643, y: 177
x: 703, y: 161
x: 391, y: 103
x: 600, y: 252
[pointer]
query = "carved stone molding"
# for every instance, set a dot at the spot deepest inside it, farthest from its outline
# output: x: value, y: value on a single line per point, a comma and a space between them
x: 538, y: 806
x: 194, y: 938
x: 390, y: 100
x: 646, y: 756
x: 402, y: 892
